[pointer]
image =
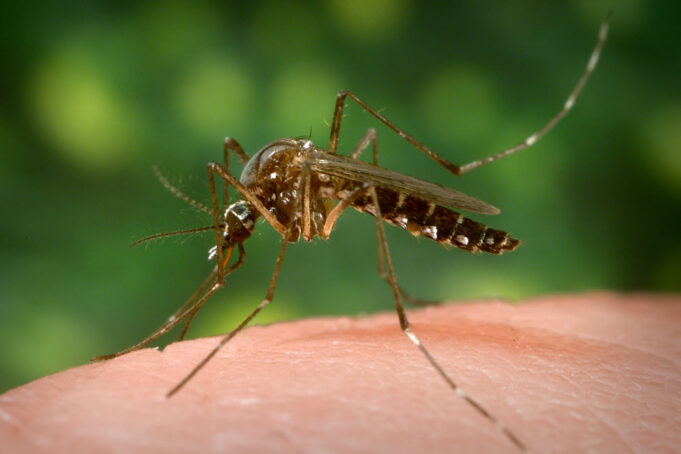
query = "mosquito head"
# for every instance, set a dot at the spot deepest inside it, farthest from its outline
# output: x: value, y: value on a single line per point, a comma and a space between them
x: 239, y: 220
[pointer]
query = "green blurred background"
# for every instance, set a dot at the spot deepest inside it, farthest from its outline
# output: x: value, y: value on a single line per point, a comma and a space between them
x: 94, y: 94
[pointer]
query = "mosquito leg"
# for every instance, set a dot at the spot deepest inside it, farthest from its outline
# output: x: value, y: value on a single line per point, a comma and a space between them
x: 191, y: 306
x: 216, y: 278
x: 407, y: 297
x: 405, y: 326
x: 214, y: 167
x: 187, y: 324
x: 456, y: 169
x: 331, y: 219
x: 230, y: 144
x: 370, y: 137
x: 230, y: 335
x: 201, y: 289
x: 306, y: 209
x: 197, y: 294
x: 567, y: 106
x: 169, y: 324
x: 219, y: 236
x: 333, y: 215
x: 367, y: 138
x: 268, y: 298
x: 234, y: 146
x: 417, y: 301
x: 229, y: 178
x: 386, y: 277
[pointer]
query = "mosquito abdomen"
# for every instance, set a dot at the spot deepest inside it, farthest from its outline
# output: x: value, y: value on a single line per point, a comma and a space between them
x: 421, y: 217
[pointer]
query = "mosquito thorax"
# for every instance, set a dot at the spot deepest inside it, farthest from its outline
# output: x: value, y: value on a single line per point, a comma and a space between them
x: 273, y: 175
x: 273, y: 161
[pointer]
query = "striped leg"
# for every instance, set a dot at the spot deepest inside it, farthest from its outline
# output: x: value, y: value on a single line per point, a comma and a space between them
x: 405, y: 326
x: 300, y: 201
x: 187, y: 310
x: 370, y: 137
x: 215, y: 279
x: 461, y: 169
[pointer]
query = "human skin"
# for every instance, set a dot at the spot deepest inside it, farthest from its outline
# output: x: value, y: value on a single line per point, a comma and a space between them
x: 594, y: 372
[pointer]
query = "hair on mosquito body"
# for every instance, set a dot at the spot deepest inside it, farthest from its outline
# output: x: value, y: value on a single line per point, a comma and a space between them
x: 301, y: 189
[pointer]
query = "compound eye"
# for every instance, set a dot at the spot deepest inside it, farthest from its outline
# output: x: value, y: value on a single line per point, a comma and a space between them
x: 239, y: 222
x: 240, y: 210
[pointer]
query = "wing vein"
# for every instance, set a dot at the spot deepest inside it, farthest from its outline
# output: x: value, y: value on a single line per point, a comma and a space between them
x: 360, y: 171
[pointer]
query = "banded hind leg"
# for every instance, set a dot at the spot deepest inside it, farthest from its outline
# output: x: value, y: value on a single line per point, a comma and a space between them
x: 370, y: 137
x: 191, y: 306
x: 406, y: 329
x: 230, y: 144
x: 461, y: 169
x: 187, y: 311
x: 194, y: 303
x: 387, y: 271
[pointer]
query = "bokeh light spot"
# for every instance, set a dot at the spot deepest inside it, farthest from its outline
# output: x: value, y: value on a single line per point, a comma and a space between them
x: 477, y: 282
x: 459, y: 105
x: 174, y: 29
x: 534, y: 174
x: 33, y: 340
x: 80, y: 110
x: 369, y: 19
x: 230, y: 315
x: 216, y: 96
x: 301, y: 98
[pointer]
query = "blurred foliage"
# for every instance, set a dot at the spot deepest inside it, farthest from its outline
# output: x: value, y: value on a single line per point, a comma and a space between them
x: 93, y: 94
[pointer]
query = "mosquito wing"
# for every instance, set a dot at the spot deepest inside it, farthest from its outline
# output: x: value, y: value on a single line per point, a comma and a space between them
x: 356, y: 170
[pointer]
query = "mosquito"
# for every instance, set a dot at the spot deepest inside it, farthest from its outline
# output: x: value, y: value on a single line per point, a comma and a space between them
x: 301, y: 190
